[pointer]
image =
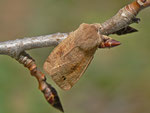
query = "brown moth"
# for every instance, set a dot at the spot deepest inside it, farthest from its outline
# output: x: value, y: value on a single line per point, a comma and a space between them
x: 68, y: 61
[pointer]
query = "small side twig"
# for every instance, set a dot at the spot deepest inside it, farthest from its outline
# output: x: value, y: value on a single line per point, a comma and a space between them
x: 49, y: 92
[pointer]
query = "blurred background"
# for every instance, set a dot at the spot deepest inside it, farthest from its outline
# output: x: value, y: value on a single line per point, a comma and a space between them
x: 117, y: 80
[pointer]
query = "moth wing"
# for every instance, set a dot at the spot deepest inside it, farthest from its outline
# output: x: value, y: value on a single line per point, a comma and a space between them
x: 69, y: 68
x: 68, y: 61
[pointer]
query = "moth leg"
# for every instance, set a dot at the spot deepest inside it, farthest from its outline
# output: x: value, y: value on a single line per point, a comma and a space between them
x: 49, y: 92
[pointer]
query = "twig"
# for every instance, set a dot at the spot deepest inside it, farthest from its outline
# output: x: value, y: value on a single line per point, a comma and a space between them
x: 123, y: 18
x: 16, y: 48
x: 49, y: 92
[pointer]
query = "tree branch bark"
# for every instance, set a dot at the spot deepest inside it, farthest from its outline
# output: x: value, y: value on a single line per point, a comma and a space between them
x: 15, y: 47
x: 123, y: 18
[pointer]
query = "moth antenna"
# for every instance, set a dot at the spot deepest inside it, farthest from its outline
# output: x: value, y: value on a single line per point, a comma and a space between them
x: 49, y: 92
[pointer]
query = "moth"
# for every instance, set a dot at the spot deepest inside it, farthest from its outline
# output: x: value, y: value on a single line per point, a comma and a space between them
x: 69, y: 60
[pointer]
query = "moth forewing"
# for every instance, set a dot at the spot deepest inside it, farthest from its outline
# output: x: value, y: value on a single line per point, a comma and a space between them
x: 68, y: 61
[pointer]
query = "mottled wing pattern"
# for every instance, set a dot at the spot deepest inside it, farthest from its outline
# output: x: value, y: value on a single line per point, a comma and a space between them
x: 66, y: 74
x: 69, y: 60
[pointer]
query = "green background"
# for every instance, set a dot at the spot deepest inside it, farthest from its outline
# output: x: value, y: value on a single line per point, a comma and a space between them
x: 117, y: 80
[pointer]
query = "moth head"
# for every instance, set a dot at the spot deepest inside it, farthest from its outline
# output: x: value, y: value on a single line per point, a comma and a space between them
x: 87, y: 37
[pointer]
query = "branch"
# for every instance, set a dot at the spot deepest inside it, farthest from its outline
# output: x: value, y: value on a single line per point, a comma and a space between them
x: 49, y: 92
x: 118, y: 24
x: 15, y: 47
x: 123, y: 18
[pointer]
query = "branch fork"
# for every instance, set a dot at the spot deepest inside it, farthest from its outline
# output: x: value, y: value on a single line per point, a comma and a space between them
x: 118, y: 24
